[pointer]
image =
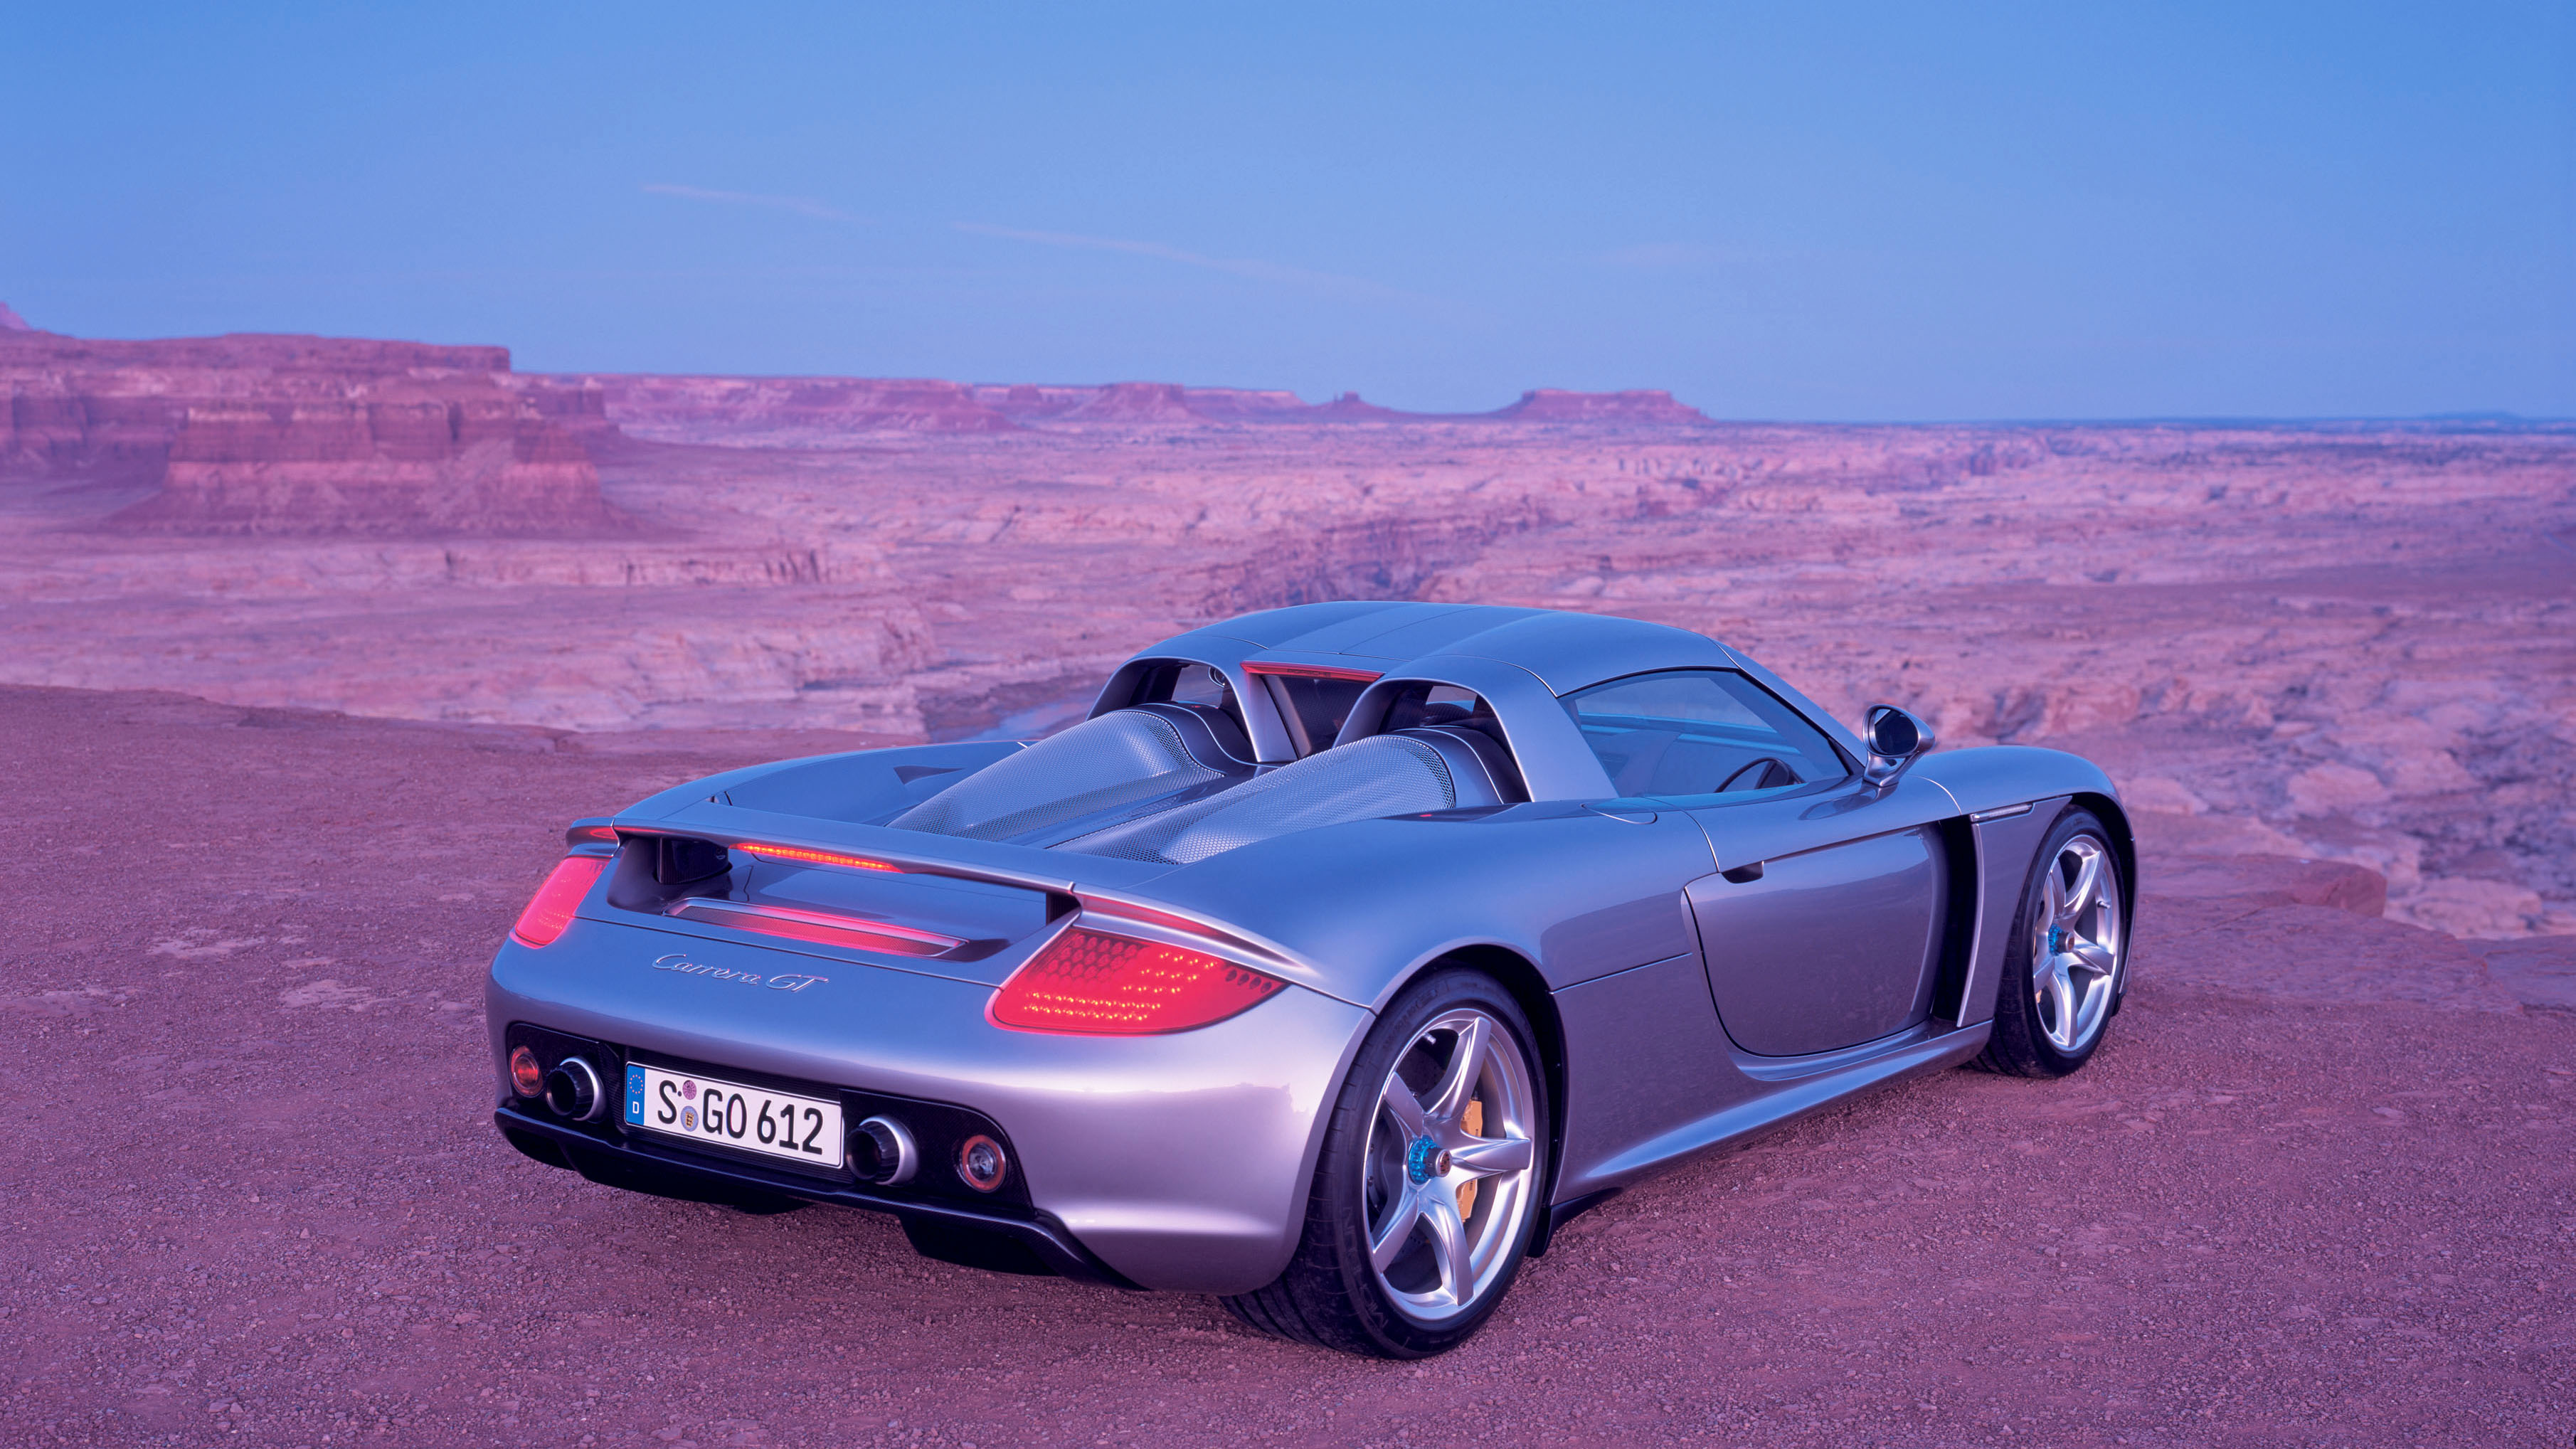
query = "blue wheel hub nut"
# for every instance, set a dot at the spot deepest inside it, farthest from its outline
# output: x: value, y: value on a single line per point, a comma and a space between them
x: 1423, y: 1161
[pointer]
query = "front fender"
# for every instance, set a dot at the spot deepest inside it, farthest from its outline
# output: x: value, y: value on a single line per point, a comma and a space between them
x: 1996, y: 777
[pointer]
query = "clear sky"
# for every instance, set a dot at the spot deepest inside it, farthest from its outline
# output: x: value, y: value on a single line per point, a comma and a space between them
x: 1904, y: 211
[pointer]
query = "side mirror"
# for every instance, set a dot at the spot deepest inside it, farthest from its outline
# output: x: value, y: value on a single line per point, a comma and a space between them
x: 1896, y: 740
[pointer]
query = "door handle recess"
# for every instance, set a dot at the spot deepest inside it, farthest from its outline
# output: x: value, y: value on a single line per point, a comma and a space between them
x: 1744, y: 874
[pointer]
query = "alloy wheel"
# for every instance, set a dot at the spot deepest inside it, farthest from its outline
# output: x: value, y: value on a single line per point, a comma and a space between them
x: 2075, y: 950
x: 1450, y: 1165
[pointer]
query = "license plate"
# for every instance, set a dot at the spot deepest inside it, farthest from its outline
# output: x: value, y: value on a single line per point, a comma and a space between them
x: 804, y: 1130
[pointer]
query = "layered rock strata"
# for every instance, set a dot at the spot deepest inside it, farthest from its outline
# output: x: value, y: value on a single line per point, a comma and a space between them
x: 300, y: 435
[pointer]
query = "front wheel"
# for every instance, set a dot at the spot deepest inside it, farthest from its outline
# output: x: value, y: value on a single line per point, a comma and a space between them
x: 1429, y: 1180
x: 2063, y: 966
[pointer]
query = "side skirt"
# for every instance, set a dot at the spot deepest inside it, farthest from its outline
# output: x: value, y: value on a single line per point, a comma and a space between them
x: 1790, y: 1099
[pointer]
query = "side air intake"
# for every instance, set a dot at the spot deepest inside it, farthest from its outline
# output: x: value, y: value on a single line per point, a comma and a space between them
x: 1364, y: 780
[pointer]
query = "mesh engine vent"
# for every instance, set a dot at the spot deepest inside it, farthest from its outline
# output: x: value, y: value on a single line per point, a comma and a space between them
x: 1121, y: 757
x: 1364, y: 780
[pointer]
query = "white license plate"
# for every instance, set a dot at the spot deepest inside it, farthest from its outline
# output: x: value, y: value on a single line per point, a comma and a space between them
x: 806, y: 1130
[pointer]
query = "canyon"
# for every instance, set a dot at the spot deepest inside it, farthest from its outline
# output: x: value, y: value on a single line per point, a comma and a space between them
x: 2336, y: 641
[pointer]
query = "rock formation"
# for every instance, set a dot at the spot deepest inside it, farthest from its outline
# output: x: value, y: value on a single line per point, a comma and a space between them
x: 813, y: 412
x: 1648, y: 407
x: 253, y: 434
x: 773, y: 411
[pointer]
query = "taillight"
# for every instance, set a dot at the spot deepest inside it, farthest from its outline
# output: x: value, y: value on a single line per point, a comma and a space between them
x: 1093, y: 984
x: 552, y: 907
x: 803, y: 856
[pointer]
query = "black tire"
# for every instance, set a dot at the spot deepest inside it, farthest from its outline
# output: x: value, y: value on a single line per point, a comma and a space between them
x: 1330, y: 1296
x: 2027, y: 1041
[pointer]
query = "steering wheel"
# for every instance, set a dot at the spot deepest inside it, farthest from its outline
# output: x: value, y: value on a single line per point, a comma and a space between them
x: 1762, y: 774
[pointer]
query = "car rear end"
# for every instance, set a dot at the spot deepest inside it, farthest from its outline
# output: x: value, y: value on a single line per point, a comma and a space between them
x: 736, y: 1006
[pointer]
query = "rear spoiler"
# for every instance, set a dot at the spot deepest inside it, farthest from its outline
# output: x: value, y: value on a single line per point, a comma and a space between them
x: 793, y: 840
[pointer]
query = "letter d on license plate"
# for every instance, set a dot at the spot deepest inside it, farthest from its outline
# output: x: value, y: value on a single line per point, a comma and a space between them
x: 801, y: 1130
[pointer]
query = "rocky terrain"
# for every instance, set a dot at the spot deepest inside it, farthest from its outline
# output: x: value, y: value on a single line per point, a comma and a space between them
x: 2315, y: 1189
x: 2342, y: 641
x: 309, y: 647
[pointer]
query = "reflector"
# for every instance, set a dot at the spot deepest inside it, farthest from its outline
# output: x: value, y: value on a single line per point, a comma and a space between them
x: 1091, y: 984
x: 980, y: 1163
x: 550, y: 910
x: 526, y: 1077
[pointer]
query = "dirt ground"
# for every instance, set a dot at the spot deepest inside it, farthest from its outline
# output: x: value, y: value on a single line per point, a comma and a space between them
x: 2316, y: 1189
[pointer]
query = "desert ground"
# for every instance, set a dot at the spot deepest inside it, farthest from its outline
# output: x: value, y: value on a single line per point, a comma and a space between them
x: 2315, y: 1189
x: 309, y: 648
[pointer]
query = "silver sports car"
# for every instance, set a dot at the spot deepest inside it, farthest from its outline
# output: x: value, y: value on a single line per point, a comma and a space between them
x: 1339, y: 957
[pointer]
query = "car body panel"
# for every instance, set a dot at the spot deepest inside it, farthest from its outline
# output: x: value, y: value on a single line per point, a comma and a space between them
x: 1782, y: 987
x: 1576, y: 893
x: 1686, y: 1009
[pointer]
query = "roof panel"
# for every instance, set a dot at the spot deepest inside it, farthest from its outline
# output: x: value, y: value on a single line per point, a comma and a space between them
x: 1452, y: 626
x: 1570, y: 651
x: 1271, y: 628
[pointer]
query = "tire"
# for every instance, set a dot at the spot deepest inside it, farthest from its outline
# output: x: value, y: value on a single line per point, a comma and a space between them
x: 2066, y: 964
x: 1450, y: 1197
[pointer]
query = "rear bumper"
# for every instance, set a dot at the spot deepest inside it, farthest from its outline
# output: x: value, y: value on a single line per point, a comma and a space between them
x: 638, y: 1165
x: 1166, y: 1162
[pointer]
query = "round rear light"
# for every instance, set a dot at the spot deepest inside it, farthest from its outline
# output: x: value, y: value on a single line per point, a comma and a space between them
x: 526, y: 1077
x: 981, y: 1163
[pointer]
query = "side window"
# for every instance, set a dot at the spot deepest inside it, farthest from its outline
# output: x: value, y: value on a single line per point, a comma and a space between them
x: 1699, y: 732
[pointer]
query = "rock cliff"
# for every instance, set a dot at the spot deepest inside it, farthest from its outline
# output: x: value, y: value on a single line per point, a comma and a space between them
x: 256, y: 434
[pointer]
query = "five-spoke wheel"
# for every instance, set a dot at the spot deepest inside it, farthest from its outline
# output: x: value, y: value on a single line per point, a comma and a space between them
x: 2061, y: 977
x: 2075, y: 955
x: 1429, y: 1182
x: 1449, y: 1166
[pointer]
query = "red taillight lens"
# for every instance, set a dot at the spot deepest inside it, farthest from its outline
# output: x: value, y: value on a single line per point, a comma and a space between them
x: 526, y: 1077
x: 551, y: 910
x: 1092, y: 984
x: 802, y: 856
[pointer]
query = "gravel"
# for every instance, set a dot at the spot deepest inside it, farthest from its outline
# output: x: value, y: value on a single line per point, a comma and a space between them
x: 256, y: 1198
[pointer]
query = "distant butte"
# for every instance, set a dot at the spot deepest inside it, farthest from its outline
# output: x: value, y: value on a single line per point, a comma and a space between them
x: 822, y: 411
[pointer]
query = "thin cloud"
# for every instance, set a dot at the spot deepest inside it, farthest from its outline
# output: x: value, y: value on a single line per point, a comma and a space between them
x: 801, y: 205
x: 1253, y: 268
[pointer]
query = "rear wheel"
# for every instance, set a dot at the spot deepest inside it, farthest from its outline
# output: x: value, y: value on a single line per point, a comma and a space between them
x: 2062, y: 969
x: 1428, y: 1184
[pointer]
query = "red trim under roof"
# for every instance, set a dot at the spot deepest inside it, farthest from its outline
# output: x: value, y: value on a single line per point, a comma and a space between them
x: 1312, y: 671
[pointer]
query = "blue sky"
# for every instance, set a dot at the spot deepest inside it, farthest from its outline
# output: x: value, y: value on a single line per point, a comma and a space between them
x: 1821, y: 211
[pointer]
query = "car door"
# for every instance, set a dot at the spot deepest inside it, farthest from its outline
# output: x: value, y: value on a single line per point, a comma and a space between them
x: 1821, y: 929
